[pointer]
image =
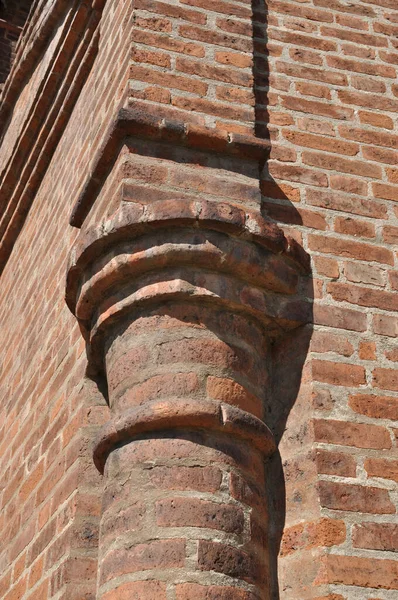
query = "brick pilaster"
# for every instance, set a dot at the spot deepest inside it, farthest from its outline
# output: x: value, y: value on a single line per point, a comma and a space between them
x: 179, y: 303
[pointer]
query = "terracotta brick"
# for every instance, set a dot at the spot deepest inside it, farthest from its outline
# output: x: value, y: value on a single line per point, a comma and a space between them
x: 313, y: 107
x: 362, y: 273
x: 350, y: 249
x: 298, y: 174
x: 175, y: 384
x: 392, y: 175
x: 351, y: 434
x: 335, y: 463
x: 354, y: 227
x: 326, y: 532
x: 321, y: 143
x: 362, y: 296
x: 327, y: 266
x: 367, y: 351
x: 345, y: 165
x: 355, y: 498
x: 388, y: 192
x: 385, y: 325
x: 341, y: 318
x: 363, y: 572
x: 392, y: 355
x: 376, y: 406
x: 340, y: 202
x: 194, y: 591
x: 186, y: 512
x: 380, y: 467
x: 326, y: 342
x: 376, y: 120
x: 213, y: 556
x: 381, y: 155
x: 376, y: 536
x: 315, y: 126
x: 179, y: 12
x: 203, y: 479
x: 156, y: 554
x: 246, y: 492
x: 230, y: 391
x: 386, y: 379
x: 343, y: 374
x: 294, y: 539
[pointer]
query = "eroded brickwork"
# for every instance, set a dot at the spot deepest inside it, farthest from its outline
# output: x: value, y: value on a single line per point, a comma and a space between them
x: 174, y: 101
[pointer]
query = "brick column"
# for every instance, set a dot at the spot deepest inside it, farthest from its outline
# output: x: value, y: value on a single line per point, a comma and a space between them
x: 179, y: 303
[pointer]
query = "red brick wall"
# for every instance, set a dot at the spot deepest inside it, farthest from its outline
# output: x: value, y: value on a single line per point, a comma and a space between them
x: 323, y: 88
x: 333, y: 106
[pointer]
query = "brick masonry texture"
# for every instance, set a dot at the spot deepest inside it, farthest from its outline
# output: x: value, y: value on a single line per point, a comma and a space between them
x: 168, y: 110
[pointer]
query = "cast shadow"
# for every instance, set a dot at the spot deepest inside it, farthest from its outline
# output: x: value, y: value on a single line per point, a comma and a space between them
x: 13, y: 21
x: 289, y: 354
x: 5, y: 58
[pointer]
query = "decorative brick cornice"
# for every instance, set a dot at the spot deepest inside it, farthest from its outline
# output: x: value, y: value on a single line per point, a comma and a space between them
x: 142, y: 121
x: 254, y: 261
x: 198, y: 252
x: 160, y: 415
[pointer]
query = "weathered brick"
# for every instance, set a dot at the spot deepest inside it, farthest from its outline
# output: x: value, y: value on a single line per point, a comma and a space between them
x: 371, y: 405
x: 192, y: 512
x: 350, y: 249
x: 343, y: 374
x: 381, y: 467
x: 202, y: 479
x: 367, y: 350
x: 376, y: 536
x: 351, y: 434
x: 354, y: 227
x: 363, y: 572
x: 194, y: 591
x: 362, y: 273
x: 341, y: 318
x: 138, y: 590
x: 335, y: 463
x: 213, y: 556
x: 385, y: 325
x: 362, y: 296
x: 164, y: 554
x: 386, y: 379
x: 355, y: 498
x: 339, y: 202
x: 228, y: 390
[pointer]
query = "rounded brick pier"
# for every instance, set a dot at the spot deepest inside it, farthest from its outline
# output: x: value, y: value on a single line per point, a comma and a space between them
x: 180, y: 304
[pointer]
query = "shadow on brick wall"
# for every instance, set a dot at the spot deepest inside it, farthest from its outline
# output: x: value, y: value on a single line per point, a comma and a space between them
x: 13, y: 14
x: 289, y: 356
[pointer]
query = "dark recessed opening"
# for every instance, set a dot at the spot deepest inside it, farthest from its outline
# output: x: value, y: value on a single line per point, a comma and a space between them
x: 13, y: 15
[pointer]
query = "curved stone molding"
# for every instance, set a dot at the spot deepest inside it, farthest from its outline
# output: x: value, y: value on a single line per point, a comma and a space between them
x: 160, y: 415
x: 198, y: 252
x: 179, y: 303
